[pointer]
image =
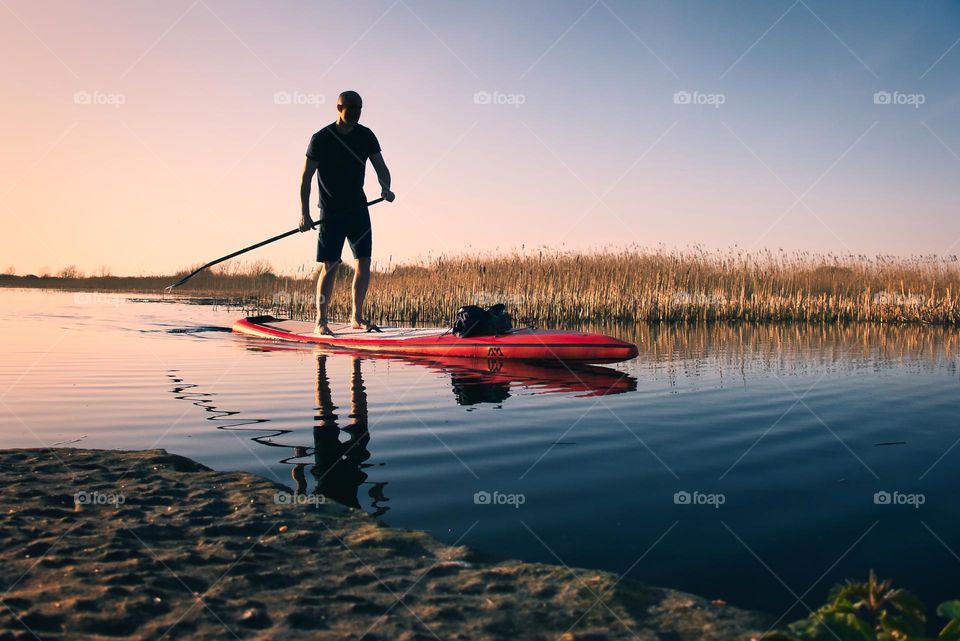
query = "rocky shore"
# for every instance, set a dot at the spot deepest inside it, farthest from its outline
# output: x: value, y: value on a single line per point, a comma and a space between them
x: 102, y: 544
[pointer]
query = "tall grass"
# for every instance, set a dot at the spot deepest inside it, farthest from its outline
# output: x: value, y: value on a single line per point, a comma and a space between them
x: 631, y: 285
x: 663, y: 286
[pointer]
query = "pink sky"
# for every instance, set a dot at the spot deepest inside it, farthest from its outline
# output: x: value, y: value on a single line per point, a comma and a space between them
x: 200, y: 160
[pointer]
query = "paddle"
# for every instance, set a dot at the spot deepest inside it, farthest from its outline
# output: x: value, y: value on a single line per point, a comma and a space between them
x: 296, y: 230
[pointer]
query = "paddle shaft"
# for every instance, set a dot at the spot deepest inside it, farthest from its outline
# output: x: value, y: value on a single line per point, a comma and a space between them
x: 246, y: 249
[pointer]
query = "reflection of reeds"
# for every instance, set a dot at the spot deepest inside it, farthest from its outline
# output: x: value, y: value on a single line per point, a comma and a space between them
x: 553, y: 288
x: 791, y: 348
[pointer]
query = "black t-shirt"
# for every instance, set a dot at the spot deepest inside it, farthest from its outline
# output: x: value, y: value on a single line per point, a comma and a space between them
x: 342, y: 161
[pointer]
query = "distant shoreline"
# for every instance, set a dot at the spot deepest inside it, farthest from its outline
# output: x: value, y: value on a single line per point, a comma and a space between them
x: 140, y: 544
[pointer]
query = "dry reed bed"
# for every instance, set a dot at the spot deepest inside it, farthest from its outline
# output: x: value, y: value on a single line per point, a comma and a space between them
x: 633, y: 285
x: 636, y: 286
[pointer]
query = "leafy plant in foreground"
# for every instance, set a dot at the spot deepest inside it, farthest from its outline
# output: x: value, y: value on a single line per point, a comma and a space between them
x: 870, y: 610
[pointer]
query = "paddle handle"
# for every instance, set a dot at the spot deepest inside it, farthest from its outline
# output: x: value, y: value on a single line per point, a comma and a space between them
x: 293, y: 231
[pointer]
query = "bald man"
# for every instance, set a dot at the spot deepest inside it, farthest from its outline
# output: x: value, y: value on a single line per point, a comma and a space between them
x: 338, y: 155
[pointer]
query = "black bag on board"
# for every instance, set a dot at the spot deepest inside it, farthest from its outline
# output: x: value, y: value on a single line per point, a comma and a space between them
x: 472, y: 320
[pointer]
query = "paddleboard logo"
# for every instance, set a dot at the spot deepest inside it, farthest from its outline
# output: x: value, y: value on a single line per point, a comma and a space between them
x: 494, y: 359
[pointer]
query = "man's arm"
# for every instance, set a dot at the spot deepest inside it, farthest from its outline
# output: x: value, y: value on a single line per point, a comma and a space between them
x: 383, y: 175
x: 309, y: 169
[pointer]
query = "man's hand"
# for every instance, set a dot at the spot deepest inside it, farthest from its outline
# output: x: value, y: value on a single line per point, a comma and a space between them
x: 309, y: 169
x: 383, y: 175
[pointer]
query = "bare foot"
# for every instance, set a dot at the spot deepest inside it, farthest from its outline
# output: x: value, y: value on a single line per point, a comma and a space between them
x: 323, y: 329
x: 364, y: 324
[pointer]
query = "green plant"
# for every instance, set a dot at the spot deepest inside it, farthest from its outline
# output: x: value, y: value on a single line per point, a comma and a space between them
x: 870, y: 610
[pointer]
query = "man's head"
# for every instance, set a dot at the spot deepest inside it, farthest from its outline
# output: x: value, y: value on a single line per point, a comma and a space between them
x: 349, y: 104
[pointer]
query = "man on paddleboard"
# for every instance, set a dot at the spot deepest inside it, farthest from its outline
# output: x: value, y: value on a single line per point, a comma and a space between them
x: 338, y: 155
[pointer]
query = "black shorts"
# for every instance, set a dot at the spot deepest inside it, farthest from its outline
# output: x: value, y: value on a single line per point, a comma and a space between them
x: 353, y: 227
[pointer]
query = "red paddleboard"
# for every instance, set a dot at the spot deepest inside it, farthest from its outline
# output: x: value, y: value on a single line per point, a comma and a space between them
x: 526, y: 344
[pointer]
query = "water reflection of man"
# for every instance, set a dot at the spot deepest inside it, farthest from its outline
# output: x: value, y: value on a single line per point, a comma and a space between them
x: 338, y: 466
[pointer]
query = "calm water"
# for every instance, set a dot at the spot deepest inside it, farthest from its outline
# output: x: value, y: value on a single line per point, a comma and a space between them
x: 780, y: 436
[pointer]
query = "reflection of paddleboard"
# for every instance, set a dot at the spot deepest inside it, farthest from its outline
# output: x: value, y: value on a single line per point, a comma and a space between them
x: 581, y: 380
x: 543, y: 377
x: 522, y: 344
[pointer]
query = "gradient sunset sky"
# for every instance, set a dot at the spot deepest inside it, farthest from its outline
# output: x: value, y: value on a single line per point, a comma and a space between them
x: 152, y: 135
